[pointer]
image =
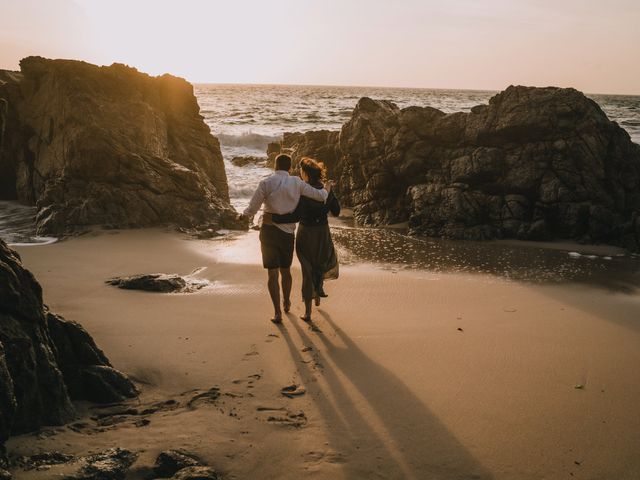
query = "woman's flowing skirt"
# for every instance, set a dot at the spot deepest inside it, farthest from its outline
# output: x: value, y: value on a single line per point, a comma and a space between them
x: 318, y: 259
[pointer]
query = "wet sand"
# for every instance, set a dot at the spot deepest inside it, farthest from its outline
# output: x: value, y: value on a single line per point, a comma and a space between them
x: 409, y: 373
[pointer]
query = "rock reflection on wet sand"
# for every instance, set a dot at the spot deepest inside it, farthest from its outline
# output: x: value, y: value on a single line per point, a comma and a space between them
x: 522, y: 262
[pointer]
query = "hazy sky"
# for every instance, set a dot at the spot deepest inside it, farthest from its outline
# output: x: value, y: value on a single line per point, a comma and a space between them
x: 593, y: 45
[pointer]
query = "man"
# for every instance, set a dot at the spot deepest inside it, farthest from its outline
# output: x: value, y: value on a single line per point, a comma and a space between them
x: 279, y: 193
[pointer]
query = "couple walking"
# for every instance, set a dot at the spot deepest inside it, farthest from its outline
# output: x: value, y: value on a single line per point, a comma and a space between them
x: 287, y: 200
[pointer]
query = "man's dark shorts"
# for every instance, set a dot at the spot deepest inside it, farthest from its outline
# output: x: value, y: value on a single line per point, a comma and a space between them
x: 276, y: 246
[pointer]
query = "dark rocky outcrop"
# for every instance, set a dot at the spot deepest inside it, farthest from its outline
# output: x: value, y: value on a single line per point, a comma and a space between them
x: 170, y: 462
x: 535, y: 163
x: 197, y: 473
x: 158, y: 282
x: 110, y: 146
x: 244, y: 161
x: 109, y: 465
x: 45, y: 360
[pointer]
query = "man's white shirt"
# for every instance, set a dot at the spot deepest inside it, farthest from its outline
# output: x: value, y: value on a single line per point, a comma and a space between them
x: 280, y: 194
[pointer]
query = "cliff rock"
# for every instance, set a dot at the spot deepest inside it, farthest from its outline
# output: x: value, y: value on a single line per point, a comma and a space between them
x: 111, y: 146
x: 535, y: 164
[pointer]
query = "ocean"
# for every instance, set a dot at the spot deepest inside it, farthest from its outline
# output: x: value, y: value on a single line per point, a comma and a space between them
x: 245, y: 118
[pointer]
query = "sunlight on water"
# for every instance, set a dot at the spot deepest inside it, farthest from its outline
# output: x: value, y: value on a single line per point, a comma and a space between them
x: 394, y: 251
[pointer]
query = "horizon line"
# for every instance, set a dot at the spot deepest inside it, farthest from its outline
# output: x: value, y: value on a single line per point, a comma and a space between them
x: 196, y: 82
x: 484, y: 90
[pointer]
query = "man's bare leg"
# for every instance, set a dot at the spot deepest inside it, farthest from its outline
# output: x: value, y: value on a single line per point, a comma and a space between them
x: 285, y: 273
x: 274, y: 292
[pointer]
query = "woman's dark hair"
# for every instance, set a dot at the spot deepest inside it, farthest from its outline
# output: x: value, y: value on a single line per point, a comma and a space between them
x: 314, y: 169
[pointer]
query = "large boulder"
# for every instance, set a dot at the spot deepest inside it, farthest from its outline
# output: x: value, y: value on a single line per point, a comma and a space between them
x: 45, y: 361
x: 535, y: 163
x: 108, y: 146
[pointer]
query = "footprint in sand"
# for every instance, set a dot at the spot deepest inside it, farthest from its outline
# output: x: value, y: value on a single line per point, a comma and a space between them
x: 295, y: 420
x: 326, y: 456
x: 283, y: 417
x: 251, y: 353
x: 209, y: 396
x: 292, y: 391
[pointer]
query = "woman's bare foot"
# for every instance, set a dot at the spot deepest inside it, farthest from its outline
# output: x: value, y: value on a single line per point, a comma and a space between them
x: 277, y: 318
x: 317, y: 299
x: 305, y: 318
x: 287, y: 306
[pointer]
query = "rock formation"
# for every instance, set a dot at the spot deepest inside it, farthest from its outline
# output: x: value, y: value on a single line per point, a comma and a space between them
x: 159, y: 282
x: 45, y: 360
x: 111, y: 146
x: 535, y: 164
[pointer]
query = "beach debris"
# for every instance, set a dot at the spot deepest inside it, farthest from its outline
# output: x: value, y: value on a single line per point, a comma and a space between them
x: 579, y: 386
x: 509, y: 310
x: 159, y: 282
x: 460, y: 329
x: 574, y: 254
x: 293, y: 390
x: 307, y: 349
x: 169, y: 462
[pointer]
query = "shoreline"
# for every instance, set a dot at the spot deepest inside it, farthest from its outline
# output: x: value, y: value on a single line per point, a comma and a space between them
x: 412, y: 374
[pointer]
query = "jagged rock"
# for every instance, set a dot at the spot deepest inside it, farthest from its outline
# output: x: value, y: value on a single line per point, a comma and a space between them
x: 45, y: 361
x: 107, y: 146
x: 40, y: 460
x: 36, y: 383
x: 244, y: 161
x: 4, y: 475
x: 197, y: 473
x: 109, y: 465
x: 170, y: 462
x: 157, y: 282
x: 535, y: 164
x: 87, y: 372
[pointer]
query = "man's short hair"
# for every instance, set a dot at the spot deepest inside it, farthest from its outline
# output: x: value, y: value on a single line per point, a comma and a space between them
x: 283, y: 162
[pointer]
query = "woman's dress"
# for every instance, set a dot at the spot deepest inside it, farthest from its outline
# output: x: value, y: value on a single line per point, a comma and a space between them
x: 314, y: 246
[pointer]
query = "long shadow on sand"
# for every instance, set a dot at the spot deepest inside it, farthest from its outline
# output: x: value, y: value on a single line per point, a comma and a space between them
x: 407, y: 440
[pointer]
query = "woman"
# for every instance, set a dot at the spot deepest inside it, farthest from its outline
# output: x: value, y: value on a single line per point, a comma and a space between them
x: 314, y: 246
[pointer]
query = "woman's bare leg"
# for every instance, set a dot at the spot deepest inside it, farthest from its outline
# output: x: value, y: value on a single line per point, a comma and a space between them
x: 307, y: 311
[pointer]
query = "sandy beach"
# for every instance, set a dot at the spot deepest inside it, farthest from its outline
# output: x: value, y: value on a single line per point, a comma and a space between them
x: 407, y: 373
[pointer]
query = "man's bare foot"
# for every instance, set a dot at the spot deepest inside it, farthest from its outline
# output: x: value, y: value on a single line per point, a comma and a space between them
x: 287, y: 306
x: 305, y: 318
x: 317, y: 299
x: 277, y: 318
